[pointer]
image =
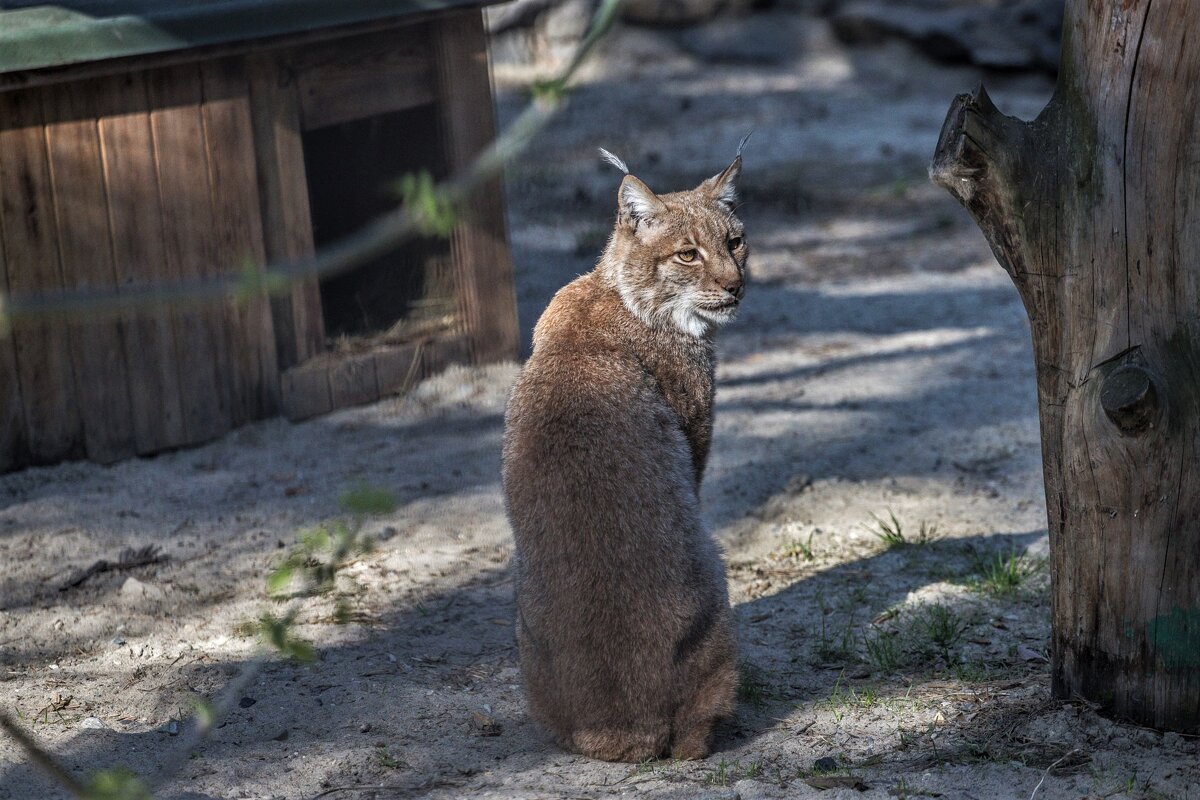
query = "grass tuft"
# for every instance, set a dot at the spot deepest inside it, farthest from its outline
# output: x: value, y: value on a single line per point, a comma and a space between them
x: 942, y: 628
x: 1004, y: 574
x: 891, y: 532
x: 798, y: 550
x: 727, y: 772
x: 884, y: 652
x: 752, y: 686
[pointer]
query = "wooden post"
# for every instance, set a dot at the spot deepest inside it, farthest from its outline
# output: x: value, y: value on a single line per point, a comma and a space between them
x: 1094, y: 210
x: 283, y: 194
x: 487, y: 297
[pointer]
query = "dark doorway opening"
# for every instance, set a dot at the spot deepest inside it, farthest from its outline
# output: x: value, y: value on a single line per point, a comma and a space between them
x: 354, y: 169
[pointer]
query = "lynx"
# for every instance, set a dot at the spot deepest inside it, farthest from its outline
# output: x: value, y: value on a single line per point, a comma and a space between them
x: 623, y: 624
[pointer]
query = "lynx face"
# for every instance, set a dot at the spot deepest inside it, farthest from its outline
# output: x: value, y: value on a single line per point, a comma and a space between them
x: 680, y: 259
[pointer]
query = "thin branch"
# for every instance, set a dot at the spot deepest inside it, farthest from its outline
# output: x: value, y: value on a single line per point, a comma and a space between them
x: 200, y: 729
x: 42, y: 758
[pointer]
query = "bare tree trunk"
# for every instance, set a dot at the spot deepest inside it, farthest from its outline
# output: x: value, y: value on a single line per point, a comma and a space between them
x: 1094, y: 210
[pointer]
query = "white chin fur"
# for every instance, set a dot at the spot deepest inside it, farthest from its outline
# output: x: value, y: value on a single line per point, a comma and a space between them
x: 682, y: 312
x: 696, y: 321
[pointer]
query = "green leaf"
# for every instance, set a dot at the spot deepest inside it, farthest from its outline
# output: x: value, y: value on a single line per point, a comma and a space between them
x: 116, y: 784
x: 299, y: 650
x: 432, y: 207
x: 315, y: 540
x: 367, y: 500
x: 548, y: 93
x: 280, y: 578
x: 206, y: 714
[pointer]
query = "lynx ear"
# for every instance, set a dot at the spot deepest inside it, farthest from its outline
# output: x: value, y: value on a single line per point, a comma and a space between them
x: 637, y: 202
x: 723, y: 187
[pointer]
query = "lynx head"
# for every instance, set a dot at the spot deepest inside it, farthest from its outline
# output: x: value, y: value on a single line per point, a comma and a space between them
x: 679, y: 259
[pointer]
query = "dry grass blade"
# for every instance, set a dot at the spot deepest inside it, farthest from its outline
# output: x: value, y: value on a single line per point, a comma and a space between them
x: 1049, y: 769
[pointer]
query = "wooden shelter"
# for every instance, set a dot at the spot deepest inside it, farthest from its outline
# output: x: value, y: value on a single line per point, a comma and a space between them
x: 143, y: 142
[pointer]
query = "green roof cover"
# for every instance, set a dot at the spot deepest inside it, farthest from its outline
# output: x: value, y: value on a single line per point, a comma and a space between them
x: 35, y: 34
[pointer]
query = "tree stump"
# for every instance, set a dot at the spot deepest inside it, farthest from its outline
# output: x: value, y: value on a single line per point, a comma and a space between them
x: 1093, y: 209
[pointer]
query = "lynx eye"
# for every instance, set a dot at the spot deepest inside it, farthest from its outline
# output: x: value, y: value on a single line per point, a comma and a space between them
x: 735, y: 242
x: 687, y: 256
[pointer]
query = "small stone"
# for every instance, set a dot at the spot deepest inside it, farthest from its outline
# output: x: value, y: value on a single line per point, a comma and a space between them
x: 1147, y: 738
x: 117, y: 640
x: 387, y: 533
x: 364, y: 728
x: 825, y: 764
x: 171, y: 728
x: 133, y: 589
x: 93, y: 724
x: 246, y: 702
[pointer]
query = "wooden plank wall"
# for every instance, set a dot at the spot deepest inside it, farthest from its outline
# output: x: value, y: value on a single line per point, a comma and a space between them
x: 42, y: 350
x: 85, y: 258
x: 283, y: 197
x: 115, y: 181
x: 12, y: 415
x: 183, y: 171
x: 479, y: 245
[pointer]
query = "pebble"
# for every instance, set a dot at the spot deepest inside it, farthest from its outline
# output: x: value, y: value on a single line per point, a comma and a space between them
x: 93, y: 724
x: 1146, y: 738
x: 135, y: 589
x: 246, y: 702
x: 825, y: 764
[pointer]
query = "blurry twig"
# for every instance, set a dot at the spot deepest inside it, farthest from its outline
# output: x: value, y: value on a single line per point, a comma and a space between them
x: 128, y: 559
x: 41, y: 758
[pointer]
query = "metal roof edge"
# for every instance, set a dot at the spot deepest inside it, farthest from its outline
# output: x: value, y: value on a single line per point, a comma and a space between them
x: 54, y: 36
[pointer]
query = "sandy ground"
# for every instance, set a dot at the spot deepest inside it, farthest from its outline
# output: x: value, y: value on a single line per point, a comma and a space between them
x: 881, y: 366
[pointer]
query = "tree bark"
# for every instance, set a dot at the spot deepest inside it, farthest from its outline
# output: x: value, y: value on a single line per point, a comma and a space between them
x: 1093, y: 209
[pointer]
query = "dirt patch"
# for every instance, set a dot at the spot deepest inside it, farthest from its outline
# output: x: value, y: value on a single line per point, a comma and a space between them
x: 875, y: 480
